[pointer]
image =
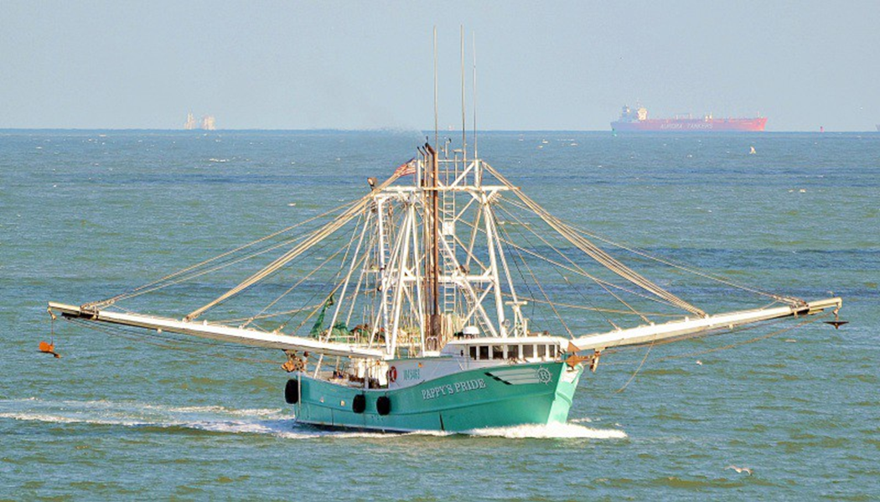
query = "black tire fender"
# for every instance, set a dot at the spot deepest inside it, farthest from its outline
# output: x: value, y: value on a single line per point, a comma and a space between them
x: 383, y: 405
x: 291, y: 391
x: 359, y: 404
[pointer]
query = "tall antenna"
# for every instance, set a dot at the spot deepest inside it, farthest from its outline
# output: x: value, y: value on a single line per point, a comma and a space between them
x: 436, y: 135
x: 463, y: 120
x: 474, y: 50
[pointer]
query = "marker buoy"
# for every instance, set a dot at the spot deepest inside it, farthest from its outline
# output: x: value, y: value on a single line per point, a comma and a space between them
x: 49, y: 348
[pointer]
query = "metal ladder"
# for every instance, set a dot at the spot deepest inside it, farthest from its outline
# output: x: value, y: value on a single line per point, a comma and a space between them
x: 448, y: 235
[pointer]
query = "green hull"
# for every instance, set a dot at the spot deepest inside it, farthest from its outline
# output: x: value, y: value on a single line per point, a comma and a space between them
x: 502, y: 396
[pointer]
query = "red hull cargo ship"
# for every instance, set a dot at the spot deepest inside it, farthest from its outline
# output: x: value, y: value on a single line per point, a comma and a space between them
x: 637, y: 120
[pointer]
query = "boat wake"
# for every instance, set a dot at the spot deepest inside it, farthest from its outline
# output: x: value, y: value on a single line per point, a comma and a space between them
x: 271, y: 421
x: 219, y: 419
x: 550, y: 431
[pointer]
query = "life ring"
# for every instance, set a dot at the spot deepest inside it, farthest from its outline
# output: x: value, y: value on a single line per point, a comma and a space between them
x: 392, y: 374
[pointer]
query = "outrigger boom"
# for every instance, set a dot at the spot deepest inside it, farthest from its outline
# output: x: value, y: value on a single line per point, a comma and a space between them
x: 683, y: 328
x: 599, y: 341
x: 203, y: 329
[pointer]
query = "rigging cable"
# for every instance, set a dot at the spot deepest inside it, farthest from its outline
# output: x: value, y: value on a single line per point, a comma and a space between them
x: 140, y: 289
x: 637, y: 251
x: 584, y: 273
x: 541, y: 288
x: 579, y: 271
x: 594, y: 251
x: 636, y: 372
x: 717, y: 349
x: 648, y: 256
x: 139, y: 338
x: 315, y: 237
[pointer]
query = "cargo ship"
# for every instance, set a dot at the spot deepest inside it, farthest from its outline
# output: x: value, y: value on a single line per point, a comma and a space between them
x: 637, y: 120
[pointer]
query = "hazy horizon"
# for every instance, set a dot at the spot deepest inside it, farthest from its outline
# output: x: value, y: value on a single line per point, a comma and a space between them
x: 419, y: 131
x: 338, y: 65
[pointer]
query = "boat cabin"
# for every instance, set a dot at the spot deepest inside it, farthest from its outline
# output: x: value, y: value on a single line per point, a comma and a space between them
x: 522, y: 349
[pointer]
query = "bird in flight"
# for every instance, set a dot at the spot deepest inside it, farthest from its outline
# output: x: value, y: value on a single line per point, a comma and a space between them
x: 740, y: 469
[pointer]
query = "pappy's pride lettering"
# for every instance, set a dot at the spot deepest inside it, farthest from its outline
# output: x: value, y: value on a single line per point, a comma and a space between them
x: 457, y: 387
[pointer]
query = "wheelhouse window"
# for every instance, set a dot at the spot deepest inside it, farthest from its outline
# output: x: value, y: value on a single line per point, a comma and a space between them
x: 473, y: 352
x: 497, y: 352
x: 528, y: 351
x: 484, y: 352
x: 542, y: 350
x: 513, y: 351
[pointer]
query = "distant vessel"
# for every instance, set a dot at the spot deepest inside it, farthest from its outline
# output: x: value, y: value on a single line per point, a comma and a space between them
x: 190, y: 123
x: 207, y: 123
x: 637, y: 120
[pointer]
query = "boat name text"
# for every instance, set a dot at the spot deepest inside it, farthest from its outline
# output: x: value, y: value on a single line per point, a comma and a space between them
x: 457, y: 387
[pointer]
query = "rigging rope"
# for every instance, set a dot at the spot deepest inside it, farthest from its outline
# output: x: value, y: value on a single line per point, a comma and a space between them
x: 642, y: 253
x: 665, y: 261
x: 746, y: 342
x: 313, y: 238
x: 716, y: 349
x: 594, y: 251
x: 636, y: 372
x: 541, y: 288
x: 585, y: 274
x: 157, y: 284
x: 122, y: 333
x: 714, y: 333
x: 579, y: 271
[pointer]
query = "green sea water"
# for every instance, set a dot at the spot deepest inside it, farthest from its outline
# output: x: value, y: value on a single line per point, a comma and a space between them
x: 88, y: 214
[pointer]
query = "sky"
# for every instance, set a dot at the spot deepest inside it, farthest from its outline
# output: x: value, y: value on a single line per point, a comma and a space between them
x: 540, y: 65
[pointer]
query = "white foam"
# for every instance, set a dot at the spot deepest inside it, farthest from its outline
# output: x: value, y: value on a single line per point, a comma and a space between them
x: 132, y: 413
x: 429, y: 433
x: 269, y: 421
x: 580, y: 420
x: 263, y: 412
x: 60, y: 419
x: 550, y: 431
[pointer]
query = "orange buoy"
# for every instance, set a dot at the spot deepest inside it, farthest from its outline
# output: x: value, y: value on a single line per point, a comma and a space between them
x: 49, y: 348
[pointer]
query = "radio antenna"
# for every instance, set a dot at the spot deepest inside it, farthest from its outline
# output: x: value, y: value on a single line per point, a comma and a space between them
x: 463, y: 110
x: 474, y: 51
x: 435, y: 87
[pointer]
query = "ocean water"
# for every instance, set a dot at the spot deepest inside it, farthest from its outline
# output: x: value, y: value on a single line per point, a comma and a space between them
x: 88, y: 214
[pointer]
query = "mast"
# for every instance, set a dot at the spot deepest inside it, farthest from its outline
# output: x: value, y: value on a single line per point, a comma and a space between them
x: 432, y: 265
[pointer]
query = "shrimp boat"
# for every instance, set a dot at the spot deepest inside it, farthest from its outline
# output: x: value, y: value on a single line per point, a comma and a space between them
x: 449, y: 301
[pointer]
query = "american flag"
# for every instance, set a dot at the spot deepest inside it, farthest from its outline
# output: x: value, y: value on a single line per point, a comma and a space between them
x: 407, y: 168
